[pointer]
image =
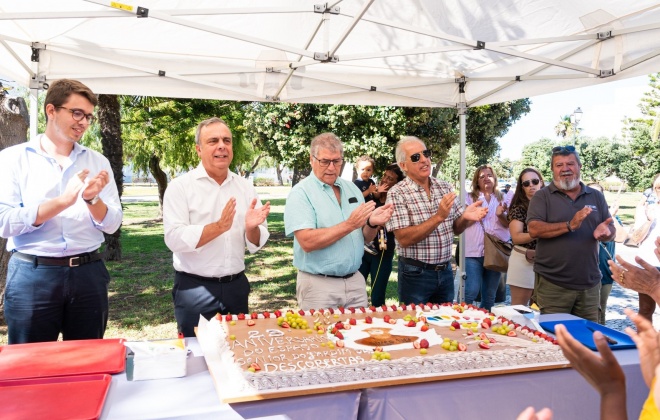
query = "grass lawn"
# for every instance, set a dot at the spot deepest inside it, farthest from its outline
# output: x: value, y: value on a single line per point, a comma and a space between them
x: 141, y: 284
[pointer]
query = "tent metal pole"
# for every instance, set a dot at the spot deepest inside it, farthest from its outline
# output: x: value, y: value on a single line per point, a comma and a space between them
x: 461, y: 108
x: 34, y: 112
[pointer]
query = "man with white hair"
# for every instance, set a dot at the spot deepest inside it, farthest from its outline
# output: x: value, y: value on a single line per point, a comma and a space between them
x: 568, y: 219
x: 330, y: 222
x: 426, y: 217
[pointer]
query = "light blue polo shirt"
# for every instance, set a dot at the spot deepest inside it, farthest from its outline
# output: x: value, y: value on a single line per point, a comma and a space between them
x: 312, y: 204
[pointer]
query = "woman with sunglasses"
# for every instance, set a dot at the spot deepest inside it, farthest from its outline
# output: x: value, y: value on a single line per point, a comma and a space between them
x: 484, y: 189
x: 520, y: 276
x: 377, y: 259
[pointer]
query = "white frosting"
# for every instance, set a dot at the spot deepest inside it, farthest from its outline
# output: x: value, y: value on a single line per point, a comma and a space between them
x: 362, y: 369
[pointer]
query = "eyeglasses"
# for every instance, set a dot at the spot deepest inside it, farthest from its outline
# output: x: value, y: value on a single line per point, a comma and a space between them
x: 414, y: 158
x: 534, y: 181
x: 326, y: 162
x: 563, y: 149
x: 79, y: 114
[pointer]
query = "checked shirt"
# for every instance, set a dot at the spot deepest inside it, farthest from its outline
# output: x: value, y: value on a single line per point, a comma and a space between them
x: 412, y: 207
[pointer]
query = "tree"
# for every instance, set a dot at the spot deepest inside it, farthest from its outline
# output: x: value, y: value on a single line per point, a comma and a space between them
x: 159, y: 134
x: 284, y: 130
x: 643, y: 161
x: 110, y: 128
x: 537, y: 155
x: 14, y: 123
x: 564, y: 127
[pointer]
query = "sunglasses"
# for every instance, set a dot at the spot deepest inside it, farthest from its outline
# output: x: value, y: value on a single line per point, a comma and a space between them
x: 529, y: 182
x: 415, y: 157
x: 563, y: 149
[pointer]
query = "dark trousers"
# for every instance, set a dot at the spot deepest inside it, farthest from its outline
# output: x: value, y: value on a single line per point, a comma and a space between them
x: 379, y: 267
x: 194, y: 296
x: 43, y: 301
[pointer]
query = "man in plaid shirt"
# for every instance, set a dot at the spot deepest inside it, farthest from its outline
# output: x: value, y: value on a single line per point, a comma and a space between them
x: 426, y: 217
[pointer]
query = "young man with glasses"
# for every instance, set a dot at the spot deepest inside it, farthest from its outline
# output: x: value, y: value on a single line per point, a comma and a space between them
x: 568, y: 219
x: 330, y: 222
x: 426, y: 217
x: 57, y: 200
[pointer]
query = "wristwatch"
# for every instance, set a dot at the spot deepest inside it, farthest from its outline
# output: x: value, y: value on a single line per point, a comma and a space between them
x: 568, y: 225
x: 92, y: 201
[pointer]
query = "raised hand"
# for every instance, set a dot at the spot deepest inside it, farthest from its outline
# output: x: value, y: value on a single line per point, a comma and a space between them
x: 474, y: 212
x: 227, y: 216
x: 602, y: 231
x: 501, y: 208
x: 446, y: 202
x: 381, y: 215
x: 359, y: 216
x: 95, y: 185
x: 382, y: 188
x: 73, y: 187
x: 645, y: 279
x: 530, y: 414
x: 256, y: 216
x: 602, y: 371
x: 646, y: 339
x: 579, y: 217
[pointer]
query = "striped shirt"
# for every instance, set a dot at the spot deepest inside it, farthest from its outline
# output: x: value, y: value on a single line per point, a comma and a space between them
x: 413, y: 207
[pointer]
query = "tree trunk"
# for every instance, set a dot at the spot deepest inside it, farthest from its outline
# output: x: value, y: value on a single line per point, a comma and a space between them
x: 161, y: 179
x: 110, y: 123
x: 14, y: 124
x: 278, y: 170
x: 254, y: 166
x: 299, y: 175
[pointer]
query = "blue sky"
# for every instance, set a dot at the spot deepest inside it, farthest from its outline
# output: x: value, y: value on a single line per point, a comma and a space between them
x: 604, y: 107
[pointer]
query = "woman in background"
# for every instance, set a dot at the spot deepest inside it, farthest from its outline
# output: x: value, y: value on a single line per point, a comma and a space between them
x: 648, y: 209
x: 520, y: 276
x: 376, y: 261
x: 484, y: 188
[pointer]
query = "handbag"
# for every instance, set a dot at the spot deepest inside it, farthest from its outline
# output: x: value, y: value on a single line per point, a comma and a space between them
x: 530, y: 255
x: 496, y: 252
x: 637, y: 236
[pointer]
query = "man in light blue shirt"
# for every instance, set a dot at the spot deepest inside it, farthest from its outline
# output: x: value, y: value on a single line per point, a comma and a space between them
x: 330, y: 223
x: 56, y: 201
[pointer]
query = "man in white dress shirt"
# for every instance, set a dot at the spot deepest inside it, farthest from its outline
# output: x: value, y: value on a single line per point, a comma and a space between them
x: 210, y: 215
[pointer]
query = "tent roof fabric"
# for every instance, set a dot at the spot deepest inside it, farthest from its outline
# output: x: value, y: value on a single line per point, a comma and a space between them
x: 373, y: 52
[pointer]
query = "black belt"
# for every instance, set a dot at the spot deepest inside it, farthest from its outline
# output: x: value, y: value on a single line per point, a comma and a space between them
x: 347, y: 276
x: 70, y: 261
x: 223, y: 279
x: 425, y: 266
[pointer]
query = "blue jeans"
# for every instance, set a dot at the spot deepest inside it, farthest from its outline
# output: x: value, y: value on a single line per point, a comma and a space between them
x: 417, y: 285
x: 478, y: 278
x: 42, y: 301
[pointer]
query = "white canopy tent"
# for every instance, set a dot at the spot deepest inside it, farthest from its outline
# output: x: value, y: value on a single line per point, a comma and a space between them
x: 426, y: 53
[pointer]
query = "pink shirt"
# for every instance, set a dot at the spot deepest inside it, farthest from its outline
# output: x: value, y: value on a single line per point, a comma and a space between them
x: 474, y: 235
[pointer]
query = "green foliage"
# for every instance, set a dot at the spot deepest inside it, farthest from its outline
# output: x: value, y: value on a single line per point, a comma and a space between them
x: 284, y: 130
x: 166, y: 128
x: 537, y: 155
x: 451, y: 165
x: 643, y: 160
